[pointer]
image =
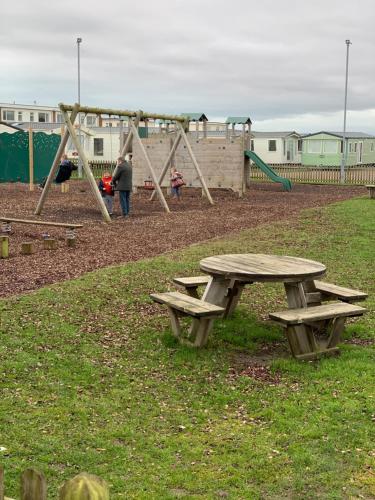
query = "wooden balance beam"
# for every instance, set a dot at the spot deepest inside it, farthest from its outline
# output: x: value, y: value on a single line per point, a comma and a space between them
x: 68, y: 225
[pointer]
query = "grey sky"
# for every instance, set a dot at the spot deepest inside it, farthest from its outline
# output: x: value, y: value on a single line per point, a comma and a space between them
x: 282, y: 63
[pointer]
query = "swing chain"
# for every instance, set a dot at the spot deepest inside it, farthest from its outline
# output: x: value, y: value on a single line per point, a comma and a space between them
x: 70, y: 233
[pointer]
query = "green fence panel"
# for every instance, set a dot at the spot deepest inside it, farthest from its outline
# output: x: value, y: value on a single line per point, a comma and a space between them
x: 14, y: 157
x: 143, y: 132
x: 45, y: 148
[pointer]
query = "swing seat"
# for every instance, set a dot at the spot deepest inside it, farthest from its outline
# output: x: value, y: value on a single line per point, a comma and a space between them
x: 149, y: 185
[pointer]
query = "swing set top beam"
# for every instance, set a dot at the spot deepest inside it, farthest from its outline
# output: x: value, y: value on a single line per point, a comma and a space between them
x: 121, y: 112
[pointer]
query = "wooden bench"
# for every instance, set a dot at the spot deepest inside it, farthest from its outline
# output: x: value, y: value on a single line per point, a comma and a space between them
x: 232, y: 297
x: 7, y: 221
x: 192, y: 283
x: 334, y: 314
x: 371, y: 188
x: 180, y: 304
x: 334, y: 292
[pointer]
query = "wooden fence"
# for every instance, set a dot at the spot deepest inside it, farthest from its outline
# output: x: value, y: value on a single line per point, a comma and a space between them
x: 33, y: 486
x: 318, y: 175
x: 98, y: 168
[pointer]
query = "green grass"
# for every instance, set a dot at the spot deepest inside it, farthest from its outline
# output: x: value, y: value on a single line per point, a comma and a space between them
x: 92, y: 380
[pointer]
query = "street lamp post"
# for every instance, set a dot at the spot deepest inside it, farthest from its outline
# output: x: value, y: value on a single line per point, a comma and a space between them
x: 79, y: 41
x: 344, y: 141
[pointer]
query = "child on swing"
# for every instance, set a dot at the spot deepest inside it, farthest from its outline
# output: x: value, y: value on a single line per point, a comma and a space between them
x: 106, y: 188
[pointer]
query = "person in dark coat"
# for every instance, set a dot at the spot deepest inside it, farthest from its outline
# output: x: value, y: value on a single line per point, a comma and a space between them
x: 66, y: 168
x: 123, y: 183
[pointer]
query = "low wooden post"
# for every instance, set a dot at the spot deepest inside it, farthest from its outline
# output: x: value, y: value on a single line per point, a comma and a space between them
x: 31, y: 160
x: 4, y: 250
x: 64, y: 187
x: 71, y: 241
x: 33, y: 485
x: 27, y: 248
x: 84, y: 486
x: 50, y: 244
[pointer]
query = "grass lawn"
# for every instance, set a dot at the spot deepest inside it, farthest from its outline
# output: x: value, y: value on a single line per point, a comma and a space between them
x: 92, y: 380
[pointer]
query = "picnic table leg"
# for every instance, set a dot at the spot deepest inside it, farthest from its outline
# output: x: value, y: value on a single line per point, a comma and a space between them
x: 216, y: 292
x: 234, y: 294
x: 301, y: 337
x: 203, y: 330
x: 336, y: 332
x: 176, y: 328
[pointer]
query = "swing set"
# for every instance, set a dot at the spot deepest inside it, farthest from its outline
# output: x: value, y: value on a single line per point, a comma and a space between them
x: 69, y: 114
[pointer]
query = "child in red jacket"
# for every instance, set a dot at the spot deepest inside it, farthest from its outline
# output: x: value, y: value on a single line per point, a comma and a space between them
x: 106, y: 188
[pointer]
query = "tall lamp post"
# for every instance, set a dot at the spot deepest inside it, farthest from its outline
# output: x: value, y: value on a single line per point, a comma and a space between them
x: 344, y: 141
x: 79, y: 41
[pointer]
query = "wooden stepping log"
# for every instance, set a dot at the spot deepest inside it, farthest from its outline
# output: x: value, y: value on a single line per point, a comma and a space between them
x: 4, y: 247
x: 50, y: 244
x: 27, y: 248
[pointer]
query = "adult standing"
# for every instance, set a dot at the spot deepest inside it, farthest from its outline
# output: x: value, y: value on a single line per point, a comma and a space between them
x: 123, y: 183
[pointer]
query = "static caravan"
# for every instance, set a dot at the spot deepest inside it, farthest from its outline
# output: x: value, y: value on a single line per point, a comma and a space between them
x: 277, y: 147
x: 326, y: 148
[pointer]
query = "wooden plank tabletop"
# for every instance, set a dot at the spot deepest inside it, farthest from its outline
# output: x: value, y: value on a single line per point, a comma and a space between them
x: 262, y: 267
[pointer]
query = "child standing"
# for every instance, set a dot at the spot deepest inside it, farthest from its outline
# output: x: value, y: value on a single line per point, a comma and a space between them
x: 106, y: 188
x: 177, y: 182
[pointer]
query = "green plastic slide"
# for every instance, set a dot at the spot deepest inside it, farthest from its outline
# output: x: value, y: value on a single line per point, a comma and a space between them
x: 268, y: 170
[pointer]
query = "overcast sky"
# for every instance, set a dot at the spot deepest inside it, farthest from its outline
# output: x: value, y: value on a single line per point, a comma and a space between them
x: 280, y: 62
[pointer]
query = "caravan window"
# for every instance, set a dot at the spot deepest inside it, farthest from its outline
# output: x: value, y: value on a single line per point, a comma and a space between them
x: 272, y: 145
x: 314, y: 147
x: 330, y: 147
x: 98, y: 147
x: 8, y: 115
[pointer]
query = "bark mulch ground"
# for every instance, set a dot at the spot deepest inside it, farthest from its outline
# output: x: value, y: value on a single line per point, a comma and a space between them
x: 149, y: 231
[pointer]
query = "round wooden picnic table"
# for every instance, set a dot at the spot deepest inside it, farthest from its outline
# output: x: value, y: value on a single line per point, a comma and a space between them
x: 262, y: 267
x: 230, y: 273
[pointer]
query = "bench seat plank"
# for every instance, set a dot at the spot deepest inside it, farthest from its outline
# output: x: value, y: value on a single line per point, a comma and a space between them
x: 192, y: 281
x: 317, y: 313
x: 188, y: 305
x: 340, y: 292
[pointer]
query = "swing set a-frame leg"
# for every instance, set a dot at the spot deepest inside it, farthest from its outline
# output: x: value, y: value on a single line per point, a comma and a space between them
x: 154, y: 179
x: 55, y: 164
x: 195, y: 163
x: 86, y: 168
x: 167, y: 162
